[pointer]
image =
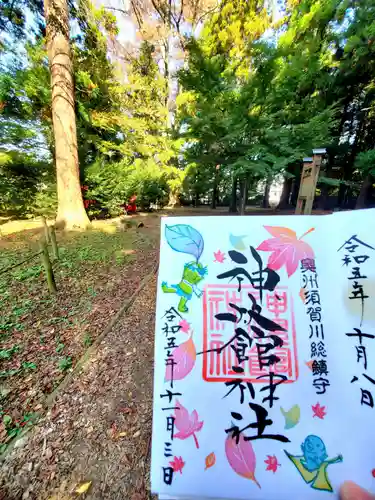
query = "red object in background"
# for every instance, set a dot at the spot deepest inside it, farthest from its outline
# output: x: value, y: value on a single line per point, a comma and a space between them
x: 131, y: 207
x: 87, y: 203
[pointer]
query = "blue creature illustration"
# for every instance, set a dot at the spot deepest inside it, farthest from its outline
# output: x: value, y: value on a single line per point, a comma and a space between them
x: 185, y: 239
x: 313, y: 463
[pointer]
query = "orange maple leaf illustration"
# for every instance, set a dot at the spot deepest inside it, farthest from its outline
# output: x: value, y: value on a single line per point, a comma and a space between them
x: 210, y: 460
x: 319, y: 411
x: 309, y: 364
x: 286, y: 248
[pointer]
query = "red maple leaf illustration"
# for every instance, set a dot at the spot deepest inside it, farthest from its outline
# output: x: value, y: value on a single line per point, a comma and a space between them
x: 185, y: 326
x: 177, y: 464
x: 286, y: 248
x: 319, y: 411
x: 219, y: 256
x: 272, y: 463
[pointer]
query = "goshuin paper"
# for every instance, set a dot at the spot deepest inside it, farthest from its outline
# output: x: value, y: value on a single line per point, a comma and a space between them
x: 264, y: 356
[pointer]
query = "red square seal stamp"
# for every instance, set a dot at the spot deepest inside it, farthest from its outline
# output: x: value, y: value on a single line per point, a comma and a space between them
x: 218, y: 361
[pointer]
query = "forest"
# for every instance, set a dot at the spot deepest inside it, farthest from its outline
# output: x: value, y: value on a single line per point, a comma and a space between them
x: 183, y: 102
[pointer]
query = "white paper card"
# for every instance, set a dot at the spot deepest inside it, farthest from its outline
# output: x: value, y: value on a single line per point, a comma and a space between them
x: 264, y: 356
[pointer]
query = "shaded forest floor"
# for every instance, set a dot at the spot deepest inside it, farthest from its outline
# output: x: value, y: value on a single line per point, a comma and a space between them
x: 98, y: 430
x: 43, y: 336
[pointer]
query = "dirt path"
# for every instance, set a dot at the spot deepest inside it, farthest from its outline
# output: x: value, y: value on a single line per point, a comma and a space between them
x: 99, y: 428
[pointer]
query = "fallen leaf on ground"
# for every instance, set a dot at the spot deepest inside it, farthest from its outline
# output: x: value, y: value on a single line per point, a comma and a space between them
x: 126, y: 411
x: 83, y: 488
x: 113, y: 430
x: 138, y: 496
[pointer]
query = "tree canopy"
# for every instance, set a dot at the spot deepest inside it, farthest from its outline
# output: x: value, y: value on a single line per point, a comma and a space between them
x: 209, y: 102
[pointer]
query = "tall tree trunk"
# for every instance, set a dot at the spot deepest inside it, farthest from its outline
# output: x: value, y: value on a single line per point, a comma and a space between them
x: 324, y: 195
x: 71, y: 212
x: 233, y: 198
x: 325, y: 188
x: 349, y: 165
x: 174, y: 199
x: 196, y: 200
x: 364, y: 192
x: 266, y: 196
x: 214, y: 197
x: 285, y: 193
x: 244, y: 192
x: 214, y: 188
x: 295, y: 190
x: 341, y: 196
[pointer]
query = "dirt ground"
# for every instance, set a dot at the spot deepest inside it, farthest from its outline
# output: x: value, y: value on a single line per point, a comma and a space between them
x: 100, y: 427
x: 43, y: 336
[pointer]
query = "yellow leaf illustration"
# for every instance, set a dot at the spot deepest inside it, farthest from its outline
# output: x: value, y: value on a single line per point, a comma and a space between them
x: 82, y: 488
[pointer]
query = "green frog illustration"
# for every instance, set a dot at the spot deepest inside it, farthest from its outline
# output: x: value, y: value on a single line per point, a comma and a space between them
x: 194, y: 273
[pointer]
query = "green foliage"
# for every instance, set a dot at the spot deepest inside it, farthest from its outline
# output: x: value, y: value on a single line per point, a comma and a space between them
x: 21, y: 177
x: 65, y: 363
x: 15, y: 427
x: 60, y: 347
x: 257, y: 96
x: 44, y: 201
x: 7, y: 420
x: 121, y: 122
x: 22, y: 274
x: 8, y: 353
x: 148, y: 181
x: 13, y: 15
x: 87, y: 340
x: 113, y: 184
x: 282, y: 92
x: 28, y: 365
x: 232, y: 30
x: 365, y: 162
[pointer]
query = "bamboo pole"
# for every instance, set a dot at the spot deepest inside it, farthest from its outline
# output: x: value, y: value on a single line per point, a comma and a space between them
x: 55, y: 248
x: 47, y: 267
x: 46, y: 232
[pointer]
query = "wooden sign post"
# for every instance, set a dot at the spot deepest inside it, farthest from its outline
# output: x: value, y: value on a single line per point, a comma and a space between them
x: 309, y: 178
